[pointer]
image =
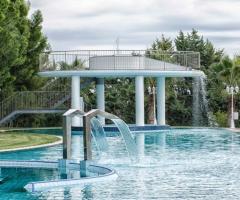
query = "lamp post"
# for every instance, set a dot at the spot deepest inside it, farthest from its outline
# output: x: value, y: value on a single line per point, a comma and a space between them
x: 232, y: 90
x: 181, y: 91
x: 152, y: 91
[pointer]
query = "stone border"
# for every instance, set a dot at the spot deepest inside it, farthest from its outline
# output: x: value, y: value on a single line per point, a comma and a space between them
x: 40, y: 186
x: 34, y: 147
x: 104, y: 173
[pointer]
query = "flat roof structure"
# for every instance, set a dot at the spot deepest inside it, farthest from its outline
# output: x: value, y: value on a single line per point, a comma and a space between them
x: 121, y: 73
x: 136, y: 64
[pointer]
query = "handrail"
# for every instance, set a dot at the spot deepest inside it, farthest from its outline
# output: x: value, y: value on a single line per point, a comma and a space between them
x: 81, y: 59
x: 52, y: 95
x: 57, y: 84
x: 28, y: 100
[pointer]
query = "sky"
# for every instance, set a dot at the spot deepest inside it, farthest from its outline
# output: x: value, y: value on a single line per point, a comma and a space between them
x: 96, y: 24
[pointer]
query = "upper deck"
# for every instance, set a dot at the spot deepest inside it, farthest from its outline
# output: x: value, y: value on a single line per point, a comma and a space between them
x: 104, y: 63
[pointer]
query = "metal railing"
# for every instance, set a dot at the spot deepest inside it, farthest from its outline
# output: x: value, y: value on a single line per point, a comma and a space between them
x: 119, y: 60
x: 30, y: 100
x: 54, y: 95
x: 57, y: 84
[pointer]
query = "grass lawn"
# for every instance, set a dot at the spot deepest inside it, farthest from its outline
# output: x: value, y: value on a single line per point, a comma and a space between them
x: 12, y: 140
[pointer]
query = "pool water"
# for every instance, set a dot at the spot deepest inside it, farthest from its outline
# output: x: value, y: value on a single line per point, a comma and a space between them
x: 175, y: 164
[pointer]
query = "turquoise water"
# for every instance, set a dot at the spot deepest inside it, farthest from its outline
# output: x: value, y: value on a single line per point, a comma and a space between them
x: 176, y: 164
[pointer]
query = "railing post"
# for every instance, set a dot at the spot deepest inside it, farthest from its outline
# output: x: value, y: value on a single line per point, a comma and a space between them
x: 184, y: 57
x: 89, y: 54
x: 65, y: 54
x: 163, y: 60
x: 87, y: 143
x: 66, y: 137
x: 199, y: 61
x: 187, y: 61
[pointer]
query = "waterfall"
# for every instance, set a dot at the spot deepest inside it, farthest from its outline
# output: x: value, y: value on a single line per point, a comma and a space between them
x: 127, y: 136
x: 201, y: 112
x: 196, y: 111
x: 99, y: 135
x: 210, y: 117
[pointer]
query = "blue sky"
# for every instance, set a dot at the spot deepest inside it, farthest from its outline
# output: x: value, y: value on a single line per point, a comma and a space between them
x: 95, y: 24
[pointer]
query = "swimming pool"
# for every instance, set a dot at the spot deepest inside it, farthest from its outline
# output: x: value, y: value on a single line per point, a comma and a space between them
x: 174, y: 164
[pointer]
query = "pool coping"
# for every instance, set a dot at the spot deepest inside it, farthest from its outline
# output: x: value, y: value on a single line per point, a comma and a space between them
x: 46, y: 185
x: 104, y: 173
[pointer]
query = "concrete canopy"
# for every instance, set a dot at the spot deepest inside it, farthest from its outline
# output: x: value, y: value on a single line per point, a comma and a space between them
x: 121, y: 73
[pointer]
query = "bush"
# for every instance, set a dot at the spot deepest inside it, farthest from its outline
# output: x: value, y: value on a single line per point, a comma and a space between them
x: 222, y: 118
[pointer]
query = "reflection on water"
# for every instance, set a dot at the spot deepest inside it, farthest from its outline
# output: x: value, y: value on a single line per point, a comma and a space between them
x: 140, y: 141
x: 178, y: 164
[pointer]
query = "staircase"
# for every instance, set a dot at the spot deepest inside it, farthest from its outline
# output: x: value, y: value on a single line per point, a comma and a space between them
x: 51, y: 98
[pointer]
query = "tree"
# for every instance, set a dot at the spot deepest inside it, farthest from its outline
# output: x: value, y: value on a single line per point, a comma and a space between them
x: 120, y: 98
x: 226, y: 72
x: 159, y: 50
x: 162, y: 44
x: 13, y: 41
x: 194, y: 42
x: 26, y: 73
x: 208, y: 54
x: 21, y: 42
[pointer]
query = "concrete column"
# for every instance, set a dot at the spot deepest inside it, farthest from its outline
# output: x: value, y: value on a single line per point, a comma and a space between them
x: 161, y: 101
x: 139, y: 100
x: 75, y: 100
x: 100, y: 97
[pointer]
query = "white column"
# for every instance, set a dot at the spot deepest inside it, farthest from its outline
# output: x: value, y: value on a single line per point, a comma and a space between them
x: 75, y: 100
x: 139, y: 100
x: 100, y: 97
x: 161, y: 101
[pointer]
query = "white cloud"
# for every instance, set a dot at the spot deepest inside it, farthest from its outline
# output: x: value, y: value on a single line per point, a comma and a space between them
x: 71, y: 24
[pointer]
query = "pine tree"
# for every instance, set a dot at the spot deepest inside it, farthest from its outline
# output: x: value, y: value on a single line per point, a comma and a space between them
x: 21, y: 42
x: 194, y: 42
x: 13, y: 39
x: 27, y: 78
x: 181, y: 42
x: 162, y: 44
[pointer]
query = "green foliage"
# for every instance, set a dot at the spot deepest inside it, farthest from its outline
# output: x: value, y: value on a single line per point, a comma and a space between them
x: 227, y: 71
x: 159, y: 50
x: 221, y: 118
x: 220, y: 74
x: 178, y: 104
x: 26, y: 73
x: 120, y: 98
x: 77, y: 64
x: 208, y: 54
x: 194, y: 42
x: 21, y: 42
x: 162, y: 44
